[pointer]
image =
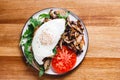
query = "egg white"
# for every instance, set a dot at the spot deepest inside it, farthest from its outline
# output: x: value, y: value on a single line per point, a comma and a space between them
x: 46, y: 38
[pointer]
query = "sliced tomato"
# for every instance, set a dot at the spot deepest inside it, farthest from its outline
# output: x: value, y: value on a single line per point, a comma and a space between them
x: 64, y: 60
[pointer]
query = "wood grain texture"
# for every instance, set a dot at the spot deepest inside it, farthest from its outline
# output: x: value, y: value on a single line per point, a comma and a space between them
x: 102, y: 20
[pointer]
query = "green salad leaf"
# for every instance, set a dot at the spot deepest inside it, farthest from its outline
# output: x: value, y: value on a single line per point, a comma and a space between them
x: 29, y: 32
x: 35, y: 22
x: 26, y: 39
x: 41, y: 71
x: 65, y: 16
x: 44, y: 16
x: 29, y: 56
x: 54, y: 50
x: 21, y: 41
x: 27, y: 51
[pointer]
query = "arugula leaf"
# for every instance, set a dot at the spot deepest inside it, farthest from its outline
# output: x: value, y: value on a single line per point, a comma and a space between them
x: 44, y: 16
x: 54, y: 50
x: 29, y: 32
x: 65, y: 16
x: 31, y: 27
x: 35, y: 22
x: 27, y: 44
x: 27, y: 35
x: 41, y: 71
x: 27, y: 51
x: 21, y: 41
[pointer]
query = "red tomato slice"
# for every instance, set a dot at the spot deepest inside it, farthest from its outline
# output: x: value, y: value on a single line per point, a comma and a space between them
x: 64, y: 60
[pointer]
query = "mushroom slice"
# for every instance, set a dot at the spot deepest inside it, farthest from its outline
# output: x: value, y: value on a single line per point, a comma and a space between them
x: 61, y: 12
x: 46, y: 20
x: 66, y: 38
x: 79, y: 25
x: 68, y: 23
x: 77, y: 47
x: 77, y: 28
x: 61, y: 41
x: 79, y: 38
x: 73, y: 22
x: 52, y: 14
x: 73, y: 30
x: 68, y: 19
x: 82, y: 43
x: 76, y: 34
x: 46, y: 64
x: 69, y: 41
x: 79, y: 52
x: 72, y: 46
x: 64, y: 35
x: 76, y: 44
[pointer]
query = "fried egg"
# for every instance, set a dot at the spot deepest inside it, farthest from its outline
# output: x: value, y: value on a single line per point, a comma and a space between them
x: 46, y: 38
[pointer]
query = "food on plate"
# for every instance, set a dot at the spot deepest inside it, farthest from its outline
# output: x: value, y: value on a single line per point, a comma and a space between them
x: 53, y: 39
x: 46, y: 38
x: 73, y: 36
x: 64, y: 60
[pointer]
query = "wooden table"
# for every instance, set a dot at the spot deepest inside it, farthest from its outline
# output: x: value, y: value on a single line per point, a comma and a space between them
x: 102, y: 20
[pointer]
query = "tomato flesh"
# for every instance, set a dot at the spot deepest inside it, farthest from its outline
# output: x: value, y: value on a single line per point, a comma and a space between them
x: 64, y: 60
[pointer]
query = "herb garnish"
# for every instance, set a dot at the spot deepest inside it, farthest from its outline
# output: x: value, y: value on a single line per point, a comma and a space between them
x: 44, y: 16
x: 35, y: 22
x: 42, y: 71
x: 65, y: 16
x: 54, y: 50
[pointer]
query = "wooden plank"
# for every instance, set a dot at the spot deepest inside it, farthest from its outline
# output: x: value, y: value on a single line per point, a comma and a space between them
x: 91, y: 69
x: 104, y: 13
x: 104, y: 41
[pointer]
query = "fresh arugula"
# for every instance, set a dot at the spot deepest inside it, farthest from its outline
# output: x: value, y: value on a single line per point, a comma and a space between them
x: 65, y: 16
x: 26, y: 39
x: 41, y: 71
x: 28, y: 54
x: 44, y: 16
x: 35, y: 22
x: 27, y: 44
x: 54, y: 50
x: 29, y: 32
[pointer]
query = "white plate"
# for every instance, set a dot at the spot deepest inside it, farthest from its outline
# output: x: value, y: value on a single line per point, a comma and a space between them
x: 73, y: 17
